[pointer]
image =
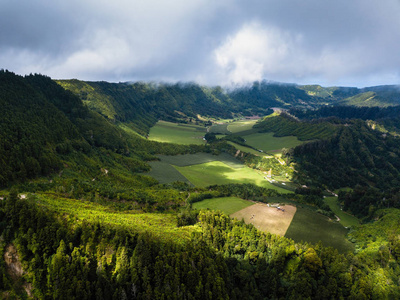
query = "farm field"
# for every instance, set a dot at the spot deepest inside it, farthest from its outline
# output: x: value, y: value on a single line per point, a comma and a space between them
x: 346, y: 219
x: 184, y: 134
x: 246, y: 149
x: 243, y: 125
x: 219, y: 128
x: 312, y: 227
x: 268, y: 143
x: 216, y: 172
x: 228, y: 205
x: 162, y: 225
x: 183, y: 160
x: 165, y: 173
x: 267, y: 219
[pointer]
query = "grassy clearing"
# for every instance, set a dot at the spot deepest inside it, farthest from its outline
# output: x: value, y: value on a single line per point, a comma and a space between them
x: 228, y: 205
x: 216, y: 172
x: 163, y: 226
x: 183, y: 134
x: 268, y: 143
x: 220, y: 128
x: 200, y: 158
x: 312, y: 227
x: 243, y: 125
x: 346, y: 219
x: 165, y: 173
x: 267, y: 219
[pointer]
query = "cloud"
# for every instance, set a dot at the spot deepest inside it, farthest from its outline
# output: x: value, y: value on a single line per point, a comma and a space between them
x: 213, y: 42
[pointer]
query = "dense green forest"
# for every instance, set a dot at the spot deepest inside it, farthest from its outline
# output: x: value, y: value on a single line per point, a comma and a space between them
x: 64, y: 147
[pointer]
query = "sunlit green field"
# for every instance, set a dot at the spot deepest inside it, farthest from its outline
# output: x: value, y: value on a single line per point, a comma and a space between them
x: 184, y: 134
x: 165, y: 173
x: 162, y: 225
x: 346, y: 219
x: 312, y: 227
x: 200, y: 158
x: 216, y: 172
x: 268, y: 143
x: 228, y: 205
x: 220, y: 128
x: 242, y: 125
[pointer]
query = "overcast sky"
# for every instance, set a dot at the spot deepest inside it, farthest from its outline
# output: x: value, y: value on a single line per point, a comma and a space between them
x: 213, y: 42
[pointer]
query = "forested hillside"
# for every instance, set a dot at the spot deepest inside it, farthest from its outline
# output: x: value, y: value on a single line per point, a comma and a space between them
x: 80, y: 219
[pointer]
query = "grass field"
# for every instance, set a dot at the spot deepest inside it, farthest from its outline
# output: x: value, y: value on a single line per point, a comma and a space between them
x: 165, y: 173
x: 216, y: 172
x: 227, y: 205
x: 346, y: 219
x: 163, y: 226
x: 267, y: 219
x: 246, y: 149
x: 184, y: 134
x: 312, y: 227
x: 243, y: 125
x: 268, y: 143
x: 200, y: 158
x: 220, y: 128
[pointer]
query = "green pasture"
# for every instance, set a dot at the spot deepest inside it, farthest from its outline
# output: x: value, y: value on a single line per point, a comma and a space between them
x: 162, y: 225
x: 312, y: 227
x: 220, y: 128
x: 268, y: 143
x: 184, y: 160
x: 346, y: 219
x: 246, y: 149
x: 184, y: 134
x: 227, y: 205
x: 242, y: 125
x: 216, y: 172
x: 165, y: 173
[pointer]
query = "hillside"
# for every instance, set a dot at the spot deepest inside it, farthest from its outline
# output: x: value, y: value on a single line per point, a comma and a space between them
x: 81, y: 218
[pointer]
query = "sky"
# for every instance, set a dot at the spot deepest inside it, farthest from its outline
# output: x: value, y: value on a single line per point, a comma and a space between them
x: 224, y: 42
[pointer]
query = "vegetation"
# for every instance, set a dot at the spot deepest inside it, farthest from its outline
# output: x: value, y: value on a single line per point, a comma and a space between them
x: 311, y: 227
x: 177, y: 133
x: 346, y: 219
x: 285, y: 125
x: 228, y: 205
x: 80, y: 217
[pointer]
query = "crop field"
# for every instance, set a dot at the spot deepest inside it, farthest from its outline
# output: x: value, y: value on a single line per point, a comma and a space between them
x: 243, y: 125
x: 184, y: 134
x: 165, y: 173
x: 268, y: 143
x: 346, y: 219
x: 216, y: 172
x: 200, y: 158
x: 312, y: 227
x: 162, y: 225
x: 267, y: 219
x: 227, y: 205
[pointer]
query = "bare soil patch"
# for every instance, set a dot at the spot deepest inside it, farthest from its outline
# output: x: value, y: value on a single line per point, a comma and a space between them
x: 267, y: 218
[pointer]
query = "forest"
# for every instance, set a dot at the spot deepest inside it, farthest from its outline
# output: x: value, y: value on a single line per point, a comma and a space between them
x: 67, y: 161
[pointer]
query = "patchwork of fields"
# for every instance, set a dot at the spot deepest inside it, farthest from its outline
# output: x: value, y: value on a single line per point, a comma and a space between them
x: 202, y: 170
x: 297, y: 223
x: 184, y: 134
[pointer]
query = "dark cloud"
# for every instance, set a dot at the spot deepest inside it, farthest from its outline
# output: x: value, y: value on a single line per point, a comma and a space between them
x: 214, y: 42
